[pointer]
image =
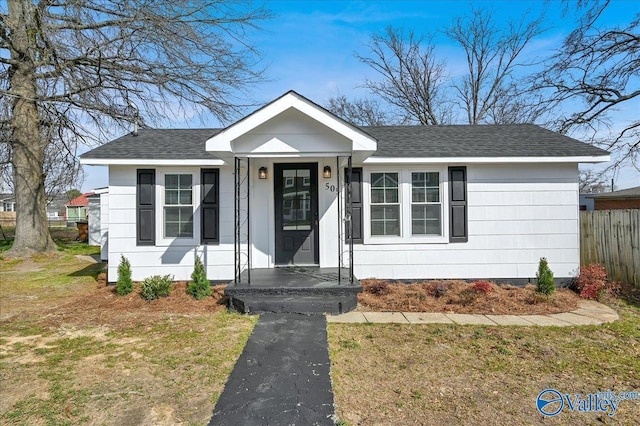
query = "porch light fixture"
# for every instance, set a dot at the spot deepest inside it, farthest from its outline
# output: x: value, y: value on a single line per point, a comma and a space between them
x: 262, y: 173
x: 326, y: 172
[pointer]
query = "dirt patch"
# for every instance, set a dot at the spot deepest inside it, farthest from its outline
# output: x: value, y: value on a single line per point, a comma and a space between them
x: 462, y: 297
x: 105, y: 307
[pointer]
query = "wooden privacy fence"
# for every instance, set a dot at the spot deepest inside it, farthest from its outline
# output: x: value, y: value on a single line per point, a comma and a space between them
x: 612, y: 238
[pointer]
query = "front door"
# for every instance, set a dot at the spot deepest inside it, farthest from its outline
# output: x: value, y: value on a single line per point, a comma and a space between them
x: 296, y: 202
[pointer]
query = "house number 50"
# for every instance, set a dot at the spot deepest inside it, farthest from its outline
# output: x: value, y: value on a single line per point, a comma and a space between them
x: 330, y: 188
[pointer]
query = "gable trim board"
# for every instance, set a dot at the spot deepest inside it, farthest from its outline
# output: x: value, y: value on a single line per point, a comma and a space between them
x: 489, y: 206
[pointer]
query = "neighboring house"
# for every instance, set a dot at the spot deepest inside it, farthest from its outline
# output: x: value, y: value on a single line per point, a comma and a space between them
x: 7, y: 203
x: 99, y: 220
x: 622, y: 199
x: 586, y: 202
x: 424, y: 201
x: 77, y: 210
x: 56, y: 209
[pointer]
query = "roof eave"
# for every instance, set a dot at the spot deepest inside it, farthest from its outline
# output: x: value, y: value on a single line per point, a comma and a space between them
x: 150, y: 162
x: 481, y: 160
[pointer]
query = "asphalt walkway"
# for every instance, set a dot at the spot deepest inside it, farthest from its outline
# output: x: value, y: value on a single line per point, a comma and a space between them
x: 282, y: 376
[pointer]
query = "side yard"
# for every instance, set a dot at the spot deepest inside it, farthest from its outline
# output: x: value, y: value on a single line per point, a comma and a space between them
x: 71, y: 352
x: 446, y: 374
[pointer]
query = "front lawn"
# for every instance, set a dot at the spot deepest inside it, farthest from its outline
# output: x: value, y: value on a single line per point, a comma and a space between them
x: 439, y: 374
x: 70, y: 354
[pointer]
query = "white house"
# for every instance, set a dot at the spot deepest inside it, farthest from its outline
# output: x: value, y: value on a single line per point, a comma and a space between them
x: 271, y: 190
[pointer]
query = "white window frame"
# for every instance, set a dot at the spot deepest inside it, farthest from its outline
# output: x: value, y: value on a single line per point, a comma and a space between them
x: 161, y: 240
x: 425, y: 203
x: 404, y: 196
x: 398, y: 203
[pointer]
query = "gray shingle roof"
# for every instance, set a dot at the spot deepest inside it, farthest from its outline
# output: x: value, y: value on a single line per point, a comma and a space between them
x: 513, y: 140
x: 157, y: 144
x: 623, y: 193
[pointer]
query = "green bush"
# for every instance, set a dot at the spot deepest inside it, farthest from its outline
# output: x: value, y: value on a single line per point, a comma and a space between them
x: 544, y: 278
x: 200, y: 287
x: 124, y: 285
x: 156, y: 286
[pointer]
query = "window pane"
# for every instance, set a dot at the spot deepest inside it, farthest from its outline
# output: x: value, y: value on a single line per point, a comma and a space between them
x: 392, y: 212
x: 391, y: 195
x: 171, y: 181
x: 172, y: 214
x: 432, y: 179
x: 417, y: 179
x: 433, y: 227
x: 171, y: 230
x: 418, y: 211
x: 433, y: 211
x: 185, y: 197
x: 418, y: 227
x: 418, y: 195
x: 392, y: 227
x: 433, y: 195
x: 377, y: 212
x: 185, y: 181
x: 377, y: 228
x: 171, y: 196
x: 377, y: 196
x: 377, y: 180
x: 391, y: 180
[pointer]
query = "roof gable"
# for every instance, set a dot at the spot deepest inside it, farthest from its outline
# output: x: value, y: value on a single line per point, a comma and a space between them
x: 312, y: 120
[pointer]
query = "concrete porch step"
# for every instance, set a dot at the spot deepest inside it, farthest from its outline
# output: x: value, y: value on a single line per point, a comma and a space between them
x: 317, y: 304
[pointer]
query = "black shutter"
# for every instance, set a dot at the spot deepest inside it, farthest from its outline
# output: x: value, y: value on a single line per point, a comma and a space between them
x: 210, y: 207
x: 356, y: 197
x: 458, y: 232
x: 146, y: 207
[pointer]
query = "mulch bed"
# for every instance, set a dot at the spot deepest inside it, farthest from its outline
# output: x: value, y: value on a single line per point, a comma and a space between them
x: 454, y: 296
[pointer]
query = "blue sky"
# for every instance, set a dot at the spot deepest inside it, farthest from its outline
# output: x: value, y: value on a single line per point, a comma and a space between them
x: 309, y: 47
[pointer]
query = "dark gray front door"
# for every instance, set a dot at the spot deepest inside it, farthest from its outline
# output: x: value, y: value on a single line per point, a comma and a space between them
x: 296, y: 202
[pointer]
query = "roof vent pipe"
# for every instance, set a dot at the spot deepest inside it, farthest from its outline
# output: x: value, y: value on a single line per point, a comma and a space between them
x: 135, y: 117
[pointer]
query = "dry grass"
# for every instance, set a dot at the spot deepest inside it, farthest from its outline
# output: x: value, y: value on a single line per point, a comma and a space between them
x: 459, y: 297
x: 73, y: 352
x: 439, y: 374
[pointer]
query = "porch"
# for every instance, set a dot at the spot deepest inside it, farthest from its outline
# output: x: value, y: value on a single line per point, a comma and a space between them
x: 296, y: 289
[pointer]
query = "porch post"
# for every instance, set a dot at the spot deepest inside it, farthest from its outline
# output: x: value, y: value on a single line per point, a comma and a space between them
x: 350, y: 195
x: 236, y: 263
x: 248, y: 221
x: 340, y: 229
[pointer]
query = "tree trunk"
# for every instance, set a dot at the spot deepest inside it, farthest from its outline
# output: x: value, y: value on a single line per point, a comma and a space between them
x: 32, y: 231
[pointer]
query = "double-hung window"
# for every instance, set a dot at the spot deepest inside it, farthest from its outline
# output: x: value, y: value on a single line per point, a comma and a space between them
x: 178, y: 206
x: 385, y: 204
x: 426, y: 206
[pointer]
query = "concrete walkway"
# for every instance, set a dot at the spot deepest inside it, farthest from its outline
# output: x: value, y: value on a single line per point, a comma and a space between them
x: 588, y: 313
x: 282, y: 376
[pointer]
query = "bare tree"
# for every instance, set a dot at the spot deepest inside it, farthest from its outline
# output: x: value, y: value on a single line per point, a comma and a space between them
x: 592, y: 182
x: 594, y: 74
x: 488, y: 92
x: 360, y: 112
x: 70, y: 68
x: 412, y: 79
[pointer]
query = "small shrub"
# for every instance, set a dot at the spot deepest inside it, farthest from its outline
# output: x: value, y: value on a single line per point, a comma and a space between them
x: 378, y: 288
x: 156, y: 286
x: 544, y: 278
x: 467, y: 297
x: 200, y: 287
x: 437, y: 289
x: 592, y: 283
x: 482, y: 286
x: 124, y: 285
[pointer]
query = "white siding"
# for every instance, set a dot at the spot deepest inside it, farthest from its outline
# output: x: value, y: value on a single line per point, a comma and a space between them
x: 517, y: 214
x: 162, y: 259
